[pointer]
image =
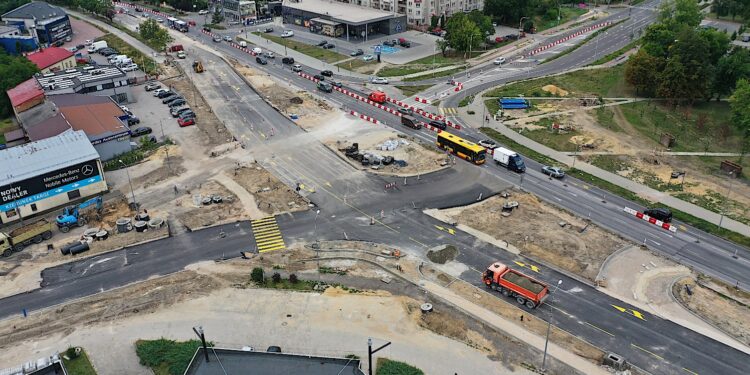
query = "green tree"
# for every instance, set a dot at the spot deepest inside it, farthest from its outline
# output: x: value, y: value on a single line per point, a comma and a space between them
x: 509, y: 12
x: 442, y: 45
x: 642, y: 71
x: 257, y: 275
x: 433, y: 21
x: 157, y: 36
x: 217, y: 17
x: 730, y: 69
x: 13, y: 70
x: 674, y: 82
x: 678, y: 13
x: 463, y: 34
x: 740, y: 104
x: 484, y: 23
x: 8, y: 5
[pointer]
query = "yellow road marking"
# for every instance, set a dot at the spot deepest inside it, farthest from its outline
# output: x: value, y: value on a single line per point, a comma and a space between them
x: 263, y: 236
x: 280, y: 247
x: 529, y: 266
x: 449, y: 230
x: 264, y: 220
x: 649, y: 352
x: 597, y: 328
x: 634, y: 313
x: 690, y: 372
x: 328, y: 184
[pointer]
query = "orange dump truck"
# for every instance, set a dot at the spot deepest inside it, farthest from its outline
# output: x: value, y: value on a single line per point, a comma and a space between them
x: 525, y: 289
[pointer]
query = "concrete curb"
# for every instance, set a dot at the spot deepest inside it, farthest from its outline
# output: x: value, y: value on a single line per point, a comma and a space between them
x: 600, y: 276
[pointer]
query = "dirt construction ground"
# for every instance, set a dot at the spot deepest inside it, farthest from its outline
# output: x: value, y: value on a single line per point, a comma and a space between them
x: 578, y: 247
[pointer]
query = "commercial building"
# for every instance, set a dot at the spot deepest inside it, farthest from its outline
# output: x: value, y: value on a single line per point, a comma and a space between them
x: 239, y: 10
x: 342, y: 20
x: 238, y: 362
x: 101, y: 80
x: 14, y: 42
x: 46, y: 23
x: 44, y: 175
x: 52, y: 59
x: 26, y: 95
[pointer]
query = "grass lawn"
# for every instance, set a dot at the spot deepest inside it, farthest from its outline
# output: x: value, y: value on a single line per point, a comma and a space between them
x: 440, y: 60
x: 443, y: 73
x: 716, y: 135
x: 411, y: 90
x: 166, y: 357
x: 492, y: 106
x: 559, y: 142
x: 609, y: 57
x: 355, y: 64
x: 601, y: 82
x: 606, y: 118
x: 566, y: 14
x: 385, y: 366
x: 144, y: 62
x: 79, y: 365
x: 285, y: 284
x: 319, y: 53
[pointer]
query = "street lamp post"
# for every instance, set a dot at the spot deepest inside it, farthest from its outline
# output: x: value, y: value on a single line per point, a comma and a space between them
x: 370, y: 352
x: 549, y: 325
x: 130, y: 182
x: 199, y: 331
x: 729, y: 191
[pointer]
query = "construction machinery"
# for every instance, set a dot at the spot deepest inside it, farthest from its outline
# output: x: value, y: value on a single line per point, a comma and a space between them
x: 73, y: 216
x: 19, y: 238
x: 510, y: 283
x: 197, y: 66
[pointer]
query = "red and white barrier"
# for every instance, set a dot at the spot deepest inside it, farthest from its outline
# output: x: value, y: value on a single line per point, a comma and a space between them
x: 364, y: 117
x: 650, y: 219
x: 569, y: 37
x: 421, y: 100
x: 147, y: 10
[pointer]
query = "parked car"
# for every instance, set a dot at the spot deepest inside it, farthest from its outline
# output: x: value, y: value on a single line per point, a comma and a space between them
x: 406, y: 111
x: 151, y: 86
x: 269, y: 55
x: 181, y: 55
x: 555, y: 172
x: 168, y: 97
x: 662, y: 214
x: 217, y: 39
x: 143, y: 130
x: 185, y: 122
x: 499, y: 61
x: 186, y: 115
x: 287, y: 34
x: 273, y: 349
x: 268, y: 30
x: 88, y: 42
x: 368, y: 57
x: 358, y: 52
x: 488, y: 143
x: 109, y: 52
x: 126, y: 109
x: 130, y: 68
x: 322, y: 43
x: 329, y: 46
x: 326, y: 73
x: 175, y: 111
x: 439, y: 124
x: 80, y: 47
x: 177, y: 103
x: 203, y: 11
x: 404, y: 43
x: 159, y: 20
x: 261, y: 60
x: 158, y: 92
x: 287, y: 60
x: 133, y: 120
x: 379, y: 80
x: 296, y: 68
x: 227, y: 38
x: 389, y: 43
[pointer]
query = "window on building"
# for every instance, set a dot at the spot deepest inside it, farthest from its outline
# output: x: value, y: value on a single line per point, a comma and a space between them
x: 108, y: 85
x: 11, y: 213
x: 98, y: 87
x: 33, y: 207
x: 75, y: 194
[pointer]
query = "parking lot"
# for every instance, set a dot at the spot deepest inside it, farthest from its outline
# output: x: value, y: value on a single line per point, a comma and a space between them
x: 154, y: 114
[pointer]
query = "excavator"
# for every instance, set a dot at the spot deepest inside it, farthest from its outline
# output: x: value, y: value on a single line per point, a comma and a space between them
x: 73, y: 215
x: 198, y: 66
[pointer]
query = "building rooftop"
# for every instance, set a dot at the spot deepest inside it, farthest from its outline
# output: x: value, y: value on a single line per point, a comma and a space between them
x: 25, y: 91
x: 38, y: 10
x: 48, y: 128
x: 49, y: 56
x: 262, y: 363
x: 7, y: 29
x: 35, y: 158
x: 37, y: 114
x: 66, y: 80
x: 98, y: 116
x: 340, y: 12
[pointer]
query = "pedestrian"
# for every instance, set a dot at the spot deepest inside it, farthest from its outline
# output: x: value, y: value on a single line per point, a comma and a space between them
x: 175, y: 190
x: 522, y: 317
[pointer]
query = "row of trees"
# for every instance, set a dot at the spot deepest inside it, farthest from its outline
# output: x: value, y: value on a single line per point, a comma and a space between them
x: 732, y: 8
x: 156, y: 36
x: 466, y: 31
x: 510, y: 12
x: 682, y: 62
x: 13, y: 70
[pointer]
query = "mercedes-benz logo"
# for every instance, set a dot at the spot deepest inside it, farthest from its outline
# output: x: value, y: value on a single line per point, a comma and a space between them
x: 87, y: 170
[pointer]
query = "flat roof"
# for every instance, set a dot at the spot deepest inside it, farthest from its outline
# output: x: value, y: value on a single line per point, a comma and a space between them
x: 25, y: 91
x: 98, y: 116
x: 69, y: 78
x: 38, y: 10
x: 48, y: 128
x: 341, y: 12
x: 32, y: 159
x: 262, y: 363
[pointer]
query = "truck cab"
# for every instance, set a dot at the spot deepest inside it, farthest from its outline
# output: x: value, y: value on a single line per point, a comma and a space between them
x: 377, y: 96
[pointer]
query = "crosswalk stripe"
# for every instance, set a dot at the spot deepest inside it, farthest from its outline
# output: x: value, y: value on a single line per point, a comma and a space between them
x: 265, y: 230
x: 280, y: 247
x: 263, y: 236
x: 265, y: 224
x: 267, y: 234
x: 269, y: 243
x: 264, y: 220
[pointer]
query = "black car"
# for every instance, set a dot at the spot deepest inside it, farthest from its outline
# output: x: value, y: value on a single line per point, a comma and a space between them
x: 175, y: 112
x: 358, y: 52
x: 288, y: 60
x: 389, y: 43
x: 662, y: 214
x: 164, y: 94
x: 177, y: 103
x: 439, y: 124
x: 273, y: 349
x: 261, y: 60
x: 133, y: 120
x: 329, y: 46
x: 322, y: 43
x: 109, y: 53
x: 319, y: 77
x: 206, y: 28
x: 170, y: 99
x: 268, y: 29
x: 187, y: 114
x: 406, y: 111
x: 143, y: 130
x: 336, y: 84
x: 326, y: 73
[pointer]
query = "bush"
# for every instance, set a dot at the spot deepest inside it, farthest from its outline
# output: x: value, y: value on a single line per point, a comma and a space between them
x: 276, y: 277
x: 391, y: 367
x: 167, y: 354
x: 293, y: 279
x: 257, y: 275
x: 71, y: 353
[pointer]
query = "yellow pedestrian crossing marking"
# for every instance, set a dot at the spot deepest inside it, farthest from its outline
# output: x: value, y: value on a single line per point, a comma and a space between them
x: 634, y: 313
x: 449, y: 230
x: 267, y: 234
x: 448, y: 111
x: 529, y: 266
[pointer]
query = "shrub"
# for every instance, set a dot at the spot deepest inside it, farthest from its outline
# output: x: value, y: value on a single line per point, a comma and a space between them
x: 276, y: 277
x: 293, y: 278
x: 71, y: 353
x: 257, y: 275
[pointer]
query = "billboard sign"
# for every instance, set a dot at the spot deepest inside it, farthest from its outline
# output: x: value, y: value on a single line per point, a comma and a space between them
x: 49, y: 184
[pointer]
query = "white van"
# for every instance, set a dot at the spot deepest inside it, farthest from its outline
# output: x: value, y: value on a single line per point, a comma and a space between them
x: 257, y: 50
x: 243, y: 44
x: 117, y: 59
x: 124, y: 62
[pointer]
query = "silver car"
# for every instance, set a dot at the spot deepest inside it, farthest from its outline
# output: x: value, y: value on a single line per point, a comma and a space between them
x: 379, y: 80
x: 555, y: 172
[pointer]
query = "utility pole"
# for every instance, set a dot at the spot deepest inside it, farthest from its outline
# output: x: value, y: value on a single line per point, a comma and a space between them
x: 370, y: 352
x: 549, y: 325
x: 130, y: 182
x: 166, y: 147
x: 726, y: 204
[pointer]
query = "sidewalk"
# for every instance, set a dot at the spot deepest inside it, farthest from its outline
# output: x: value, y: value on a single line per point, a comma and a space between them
x: 476, y: 121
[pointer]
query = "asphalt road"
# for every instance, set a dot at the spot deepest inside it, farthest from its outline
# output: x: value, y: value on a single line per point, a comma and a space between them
x: 346, y: 211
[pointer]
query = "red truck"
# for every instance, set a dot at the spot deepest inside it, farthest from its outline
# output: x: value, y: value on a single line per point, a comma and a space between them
x: 377, y: 96
x: 526, y: 290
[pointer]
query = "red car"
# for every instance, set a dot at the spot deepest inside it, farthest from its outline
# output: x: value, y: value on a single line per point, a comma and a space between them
x: 186, y: 122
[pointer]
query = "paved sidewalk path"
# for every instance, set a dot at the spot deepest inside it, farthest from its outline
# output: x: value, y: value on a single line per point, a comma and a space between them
x: 644, y: 191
